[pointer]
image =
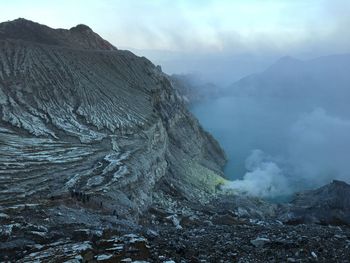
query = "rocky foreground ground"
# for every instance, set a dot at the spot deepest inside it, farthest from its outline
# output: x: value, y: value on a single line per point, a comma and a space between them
x: 251, y: 242
x: 224, y: 238
x: 183, y: 232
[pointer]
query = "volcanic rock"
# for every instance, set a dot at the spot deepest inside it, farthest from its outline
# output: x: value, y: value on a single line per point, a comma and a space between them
x: 329, y: 204
x: 90, y: 135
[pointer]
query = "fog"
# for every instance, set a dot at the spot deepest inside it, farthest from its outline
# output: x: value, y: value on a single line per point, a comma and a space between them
x: 285, y: 129
x: 220, y: 68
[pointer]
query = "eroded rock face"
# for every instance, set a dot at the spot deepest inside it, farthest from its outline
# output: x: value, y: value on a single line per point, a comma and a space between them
x: 88, y: 132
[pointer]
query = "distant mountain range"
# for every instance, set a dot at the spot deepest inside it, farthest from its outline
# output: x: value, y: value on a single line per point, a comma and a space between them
x: 325, y: 80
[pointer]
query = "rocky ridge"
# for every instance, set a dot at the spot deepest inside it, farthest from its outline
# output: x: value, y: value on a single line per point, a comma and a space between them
x: 78, y: 37
x: 88, y: 132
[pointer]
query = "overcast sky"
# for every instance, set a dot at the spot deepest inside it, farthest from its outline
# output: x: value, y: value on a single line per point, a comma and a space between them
x: 203, y: 35
x: 200, y: 25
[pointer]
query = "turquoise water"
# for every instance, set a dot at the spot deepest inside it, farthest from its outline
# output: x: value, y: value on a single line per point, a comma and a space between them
x: 242, y: 125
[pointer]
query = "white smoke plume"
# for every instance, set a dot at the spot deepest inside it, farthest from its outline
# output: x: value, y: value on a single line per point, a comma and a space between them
x: 264, y: 178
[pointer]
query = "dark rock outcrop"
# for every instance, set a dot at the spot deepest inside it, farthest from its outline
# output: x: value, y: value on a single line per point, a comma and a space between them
x: 329, y: 204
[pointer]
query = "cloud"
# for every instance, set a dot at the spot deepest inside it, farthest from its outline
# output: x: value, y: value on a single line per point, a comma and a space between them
x: 198, y: 26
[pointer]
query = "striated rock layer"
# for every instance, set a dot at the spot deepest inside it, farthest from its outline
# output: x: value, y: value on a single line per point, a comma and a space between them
x: 89, y: 133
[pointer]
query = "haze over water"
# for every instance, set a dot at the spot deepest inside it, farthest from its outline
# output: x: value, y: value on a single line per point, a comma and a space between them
x: 285, y: 129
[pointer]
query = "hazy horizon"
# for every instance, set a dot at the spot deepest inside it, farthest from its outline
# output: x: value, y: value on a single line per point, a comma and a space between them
x: 203, y: 37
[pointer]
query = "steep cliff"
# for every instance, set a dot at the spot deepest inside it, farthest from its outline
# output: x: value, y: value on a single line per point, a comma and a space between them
x: 89, y: 133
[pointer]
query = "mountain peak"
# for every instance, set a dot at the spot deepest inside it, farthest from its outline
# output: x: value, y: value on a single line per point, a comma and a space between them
x: 20, y: 23
x: 21, y: 20
x: 78, y: 37
x: 81, y: 28
x: 285, y: 63
x: 287, y: 60
x: 337, y: 184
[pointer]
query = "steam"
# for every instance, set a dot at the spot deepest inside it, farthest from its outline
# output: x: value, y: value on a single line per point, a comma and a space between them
x: 317, y: 151
x: 264, y: 177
